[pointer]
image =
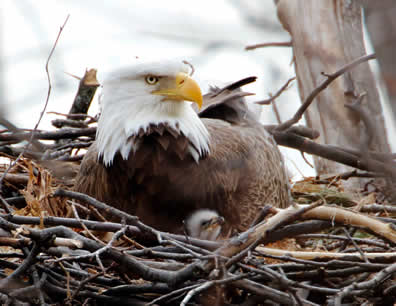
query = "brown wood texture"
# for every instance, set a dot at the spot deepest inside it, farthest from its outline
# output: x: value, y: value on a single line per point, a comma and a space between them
x: 327, y: 35
x: 381, y: 25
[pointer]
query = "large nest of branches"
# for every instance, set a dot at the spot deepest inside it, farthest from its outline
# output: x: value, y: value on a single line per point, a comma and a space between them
x: 331, y: 247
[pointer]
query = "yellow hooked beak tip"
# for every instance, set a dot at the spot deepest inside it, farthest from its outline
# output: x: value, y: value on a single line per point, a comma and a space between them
x: 186, y: 89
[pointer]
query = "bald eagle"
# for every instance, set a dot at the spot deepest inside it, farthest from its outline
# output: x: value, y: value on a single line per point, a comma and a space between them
x: 157, y: 158
x: 204, y: 224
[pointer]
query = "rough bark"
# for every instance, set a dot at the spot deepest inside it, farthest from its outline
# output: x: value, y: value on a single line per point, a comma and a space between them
x: 381, y: 25
x: 86, y: 91
x: 326, y: 35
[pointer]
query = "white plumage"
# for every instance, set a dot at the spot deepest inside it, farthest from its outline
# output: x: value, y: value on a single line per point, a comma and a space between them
x: 204, y: 224
x: 122, y: 117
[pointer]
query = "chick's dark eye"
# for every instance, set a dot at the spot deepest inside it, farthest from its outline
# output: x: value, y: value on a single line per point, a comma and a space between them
x: 204, y: 223
x: 151, y: 80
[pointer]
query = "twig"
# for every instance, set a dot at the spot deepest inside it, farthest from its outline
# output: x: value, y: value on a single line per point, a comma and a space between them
x: 265, y: 292
x: 5, y: 205
x: 270, y: 44
x: 27, y: 263
x: 209, y: 284
x: 45, y: 105
x: 83, y: 225
x: 75, y: 145
x: 100, y: 226
x: 378, y: 208
x: 277, y: 94
x: 31, y: 291
x: 360, y: 240
x: 329, y: 79
x: 172, y: 293
x: 306, y: 160
x: 84, y: 282
x: 348, y: 217
x: 264, y: 211
x: 97, y: 253
x: 242, y: 254
x: 354, y: 173
x: 276, y: 112
x: 372, y: 283
x: 286, y: 281
x: 179, y: 245
x: 75, y: 116
x: 92, y: 201
x: 59, y: 123
x: 364, y: 257
x: 385, y: 256
x: 333, y: 153
x: 53, y: 135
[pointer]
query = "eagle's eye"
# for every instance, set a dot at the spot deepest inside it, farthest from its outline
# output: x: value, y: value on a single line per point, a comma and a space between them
x: 151, y: 79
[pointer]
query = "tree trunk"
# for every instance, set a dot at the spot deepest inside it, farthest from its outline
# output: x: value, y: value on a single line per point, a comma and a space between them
x: 380, y: 21
x: 327, y: 35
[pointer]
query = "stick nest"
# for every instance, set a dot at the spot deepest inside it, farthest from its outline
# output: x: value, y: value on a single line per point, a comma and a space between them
x: 331, y: 247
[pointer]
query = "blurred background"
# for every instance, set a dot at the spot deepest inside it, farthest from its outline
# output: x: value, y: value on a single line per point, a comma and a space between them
x: 211, y: 35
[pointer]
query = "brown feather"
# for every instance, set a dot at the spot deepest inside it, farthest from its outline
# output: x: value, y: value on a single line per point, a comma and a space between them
x: 164, y: 142
x: 172, y: 131
x: 159, y: 129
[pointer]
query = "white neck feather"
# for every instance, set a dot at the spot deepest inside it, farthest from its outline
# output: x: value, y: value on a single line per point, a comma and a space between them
x: 124, y: 118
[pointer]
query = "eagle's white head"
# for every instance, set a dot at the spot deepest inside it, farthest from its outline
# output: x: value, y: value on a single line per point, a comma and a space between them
x: 204, y: 224
x: 144, y: 94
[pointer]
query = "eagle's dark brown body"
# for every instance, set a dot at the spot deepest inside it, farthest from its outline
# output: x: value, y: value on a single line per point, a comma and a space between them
x: 162, y: 184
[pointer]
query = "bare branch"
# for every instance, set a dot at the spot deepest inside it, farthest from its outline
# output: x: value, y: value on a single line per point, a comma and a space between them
x: 45, y: 105
x: 329, y: 79
x: 270, y: 44
x: 277, y: 94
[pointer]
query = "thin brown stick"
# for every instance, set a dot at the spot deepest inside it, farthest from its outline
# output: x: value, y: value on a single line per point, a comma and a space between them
x: 45, y: 105
x: 5, y: 205
x: 329, y: 79
x: 74, y: 116
x: 89, y: 233
x: 209, y: 284
x: 331, y: 152
x: 306, y: 255
x: 51, y: 135
x: 370, y: 284
x: 277, y: 94
x: 270, y: 44
x: 306, y: 160
x: 276, y: 112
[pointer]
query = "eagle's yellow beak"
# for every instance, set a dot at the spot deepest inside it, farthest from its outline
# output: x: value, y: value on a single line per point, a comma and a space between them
x: 186, y: 89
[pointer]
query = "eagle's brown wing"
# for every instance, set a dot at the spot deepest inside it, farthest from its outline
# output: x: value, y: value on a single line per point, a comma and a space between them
x: 243, y: 172
x: 109, y: 185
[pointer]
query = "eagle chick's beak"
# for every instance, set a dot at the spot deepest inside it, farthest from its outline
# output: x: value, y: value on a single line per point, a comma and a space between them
x: 214, y: 223
x: 186, y: 89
